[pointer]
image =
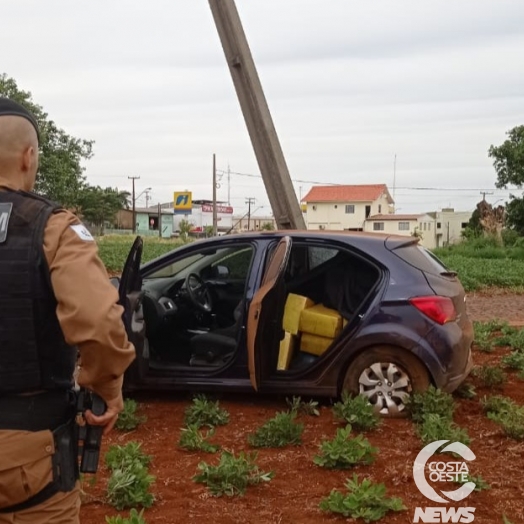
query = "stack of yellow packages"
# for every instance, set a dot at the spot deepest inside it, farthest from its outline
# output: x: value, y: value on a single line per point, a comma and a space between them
x: 319, y: 326
x: 295, y: 305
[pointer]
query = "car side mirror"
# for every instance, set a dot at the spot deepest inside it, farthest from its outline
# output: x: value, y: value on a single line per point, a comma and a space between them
x: 115, y: 281
x: 221, y: 271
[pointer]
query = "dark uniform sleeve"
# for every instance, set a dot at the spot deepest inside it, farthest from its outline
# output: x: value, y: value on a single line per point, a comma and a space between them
x: 87, y: 308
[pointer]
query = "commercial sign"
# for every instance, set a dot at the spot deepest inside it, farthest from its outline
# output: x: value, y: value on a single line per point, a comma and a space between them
x: 206, y: 208
x: 182, y: 202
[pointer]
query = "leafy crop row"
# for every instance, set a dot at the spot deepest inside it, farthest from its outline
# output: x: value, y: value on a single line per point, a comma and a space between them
x: 113, y: 249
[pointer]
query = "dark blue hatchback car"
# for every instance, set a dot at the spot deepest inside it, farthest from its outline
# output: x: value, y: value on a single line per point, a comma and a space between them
x: 303, y: 313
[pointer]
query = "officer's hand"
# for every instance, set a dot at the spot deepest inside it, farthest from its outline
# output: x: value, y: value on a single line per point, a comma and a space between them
x: 109, y: 418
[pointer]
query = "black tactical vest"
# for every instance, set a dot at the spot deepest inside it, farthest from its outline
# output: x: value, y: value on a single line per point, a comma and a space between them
x: 33, y: 352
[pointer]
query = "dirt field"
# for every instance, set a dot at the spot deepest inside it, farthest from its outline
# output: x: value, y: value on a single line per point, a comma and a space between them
x: 298, y: 486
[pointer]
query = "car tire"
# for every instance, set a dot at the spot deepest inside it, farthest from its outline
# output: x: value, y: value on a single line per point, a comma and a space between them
x: 387, y: 375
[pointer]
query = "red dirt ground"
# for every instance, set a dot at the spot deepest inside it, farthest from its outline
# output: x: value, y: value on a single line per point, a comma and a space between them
x: 298, y: 486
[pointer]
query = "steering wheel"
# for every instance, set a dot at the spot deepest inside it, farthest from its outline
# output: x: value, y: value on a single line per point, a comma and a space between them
x: 198, y: 293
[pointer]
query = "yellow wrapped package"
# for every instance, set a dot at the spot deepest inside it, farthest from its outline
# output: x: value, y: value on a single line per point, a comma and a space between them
x: 314, y: 344
x: 295, y: 304
x: 287, y: 346
x: 321, y: 321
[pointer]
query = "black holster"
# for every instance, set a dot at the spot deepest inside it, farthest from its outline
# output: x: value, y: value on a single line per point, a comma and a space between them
x: 65, y: 459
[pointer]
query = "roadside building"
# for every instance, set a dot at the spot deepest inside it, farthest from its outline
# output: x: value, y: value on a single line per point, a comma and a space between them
x: 148, y: 222
x: 346, y: 207
x: 449, y: 225
x: 254, y: 223
x: 420, y: 225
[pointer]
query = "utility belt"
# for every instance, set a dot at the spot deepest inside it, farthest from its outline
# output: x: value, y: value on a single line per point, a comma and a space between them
x: 56, y: 411
x: 37, y: 412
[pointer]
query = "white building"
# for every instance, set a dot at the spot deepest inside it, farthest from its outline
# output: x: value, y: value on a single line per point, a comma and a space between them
x: 435, y: 229
x: 201, y: 216
x: 449, y: 225
x: 345, y: 207
x: 421, y: 225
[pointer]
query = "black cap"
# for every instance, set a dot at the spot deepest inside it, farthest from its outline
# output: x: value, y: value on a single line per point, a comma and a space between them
x: 10, y: 108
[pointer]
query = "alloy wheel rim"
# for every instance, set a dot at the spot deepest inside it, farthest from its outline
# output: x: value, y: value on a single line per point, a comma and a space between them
x: 386, y: 386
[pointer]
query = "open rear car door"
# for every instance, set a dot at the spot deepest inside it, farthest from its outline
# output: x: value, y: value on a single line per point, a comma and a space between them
x: 264, y: 321
x: 130, y: 297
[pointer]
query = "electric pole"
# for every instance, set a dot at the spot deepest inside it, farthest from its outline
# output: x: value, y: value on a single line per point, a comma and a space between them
x: 215, y: 221
x: 133, y: 178
x: 257, y: 116
x: 147, y: 197
x: 249, y: 201
x: 484, y: 193
x: 228, y: 185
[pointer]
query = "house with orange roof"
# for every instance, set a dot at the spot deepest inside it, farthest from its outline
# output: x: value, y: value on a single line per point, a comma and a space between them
x: 345, y: 207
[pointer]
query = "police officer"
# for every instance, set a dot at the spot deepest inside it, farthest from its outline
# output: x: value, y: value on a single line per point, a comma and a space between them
x: 55, y: 299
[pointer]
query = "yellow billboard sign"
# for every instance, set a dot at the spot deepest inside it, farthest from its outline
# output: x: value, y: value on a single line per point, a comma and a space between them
x: 182, y: 202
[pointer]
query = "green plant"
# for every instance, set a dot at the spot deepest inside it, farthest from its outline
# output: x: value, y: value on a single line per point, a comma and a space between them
x: 511, y: 421
x: 297, y: 405
x: 204, y: 412
x: 516, y: 340
x: 515, y: 360
x: 466, y: 390
x: 129, y: 483
x: 490, y: 375
x: 344, y: 452
x: 232, y: 475
x: 508, y: 336
x: 134, y: 518
x: 278, y: 432
x: 363, y: 500
x: 497, y: 404
x: 128, y: 418
x: 129, y: 487
x: 438, y: 427
x: 491, y: 326
x: 432, y: 401
x: 505, y: 520
x: 194, y: 440
x: 484, y: 332
x: 123, y: 456
x: 356, y: 411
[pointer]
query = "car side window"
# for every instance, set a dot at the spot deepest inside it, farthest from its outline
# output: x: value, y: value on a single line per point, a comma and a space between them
x: 318, y: 255
x: 238, y: 263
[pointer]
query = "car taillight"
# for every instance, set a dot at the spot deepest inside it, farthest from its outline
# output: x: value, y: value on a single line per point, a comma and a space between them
x: 439, y: 309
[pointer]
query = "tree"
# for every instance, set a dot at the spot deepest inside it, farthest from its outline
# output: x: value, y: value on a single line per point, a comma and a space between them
x: 515, y: 214
x: 98, y: 206
x: 209, y: 231
x: 509, y: 159
x: 268, y: 226
x: 509, y: 165
x: 60, y: 175
x: 474, y: 227
x: 184, y: 227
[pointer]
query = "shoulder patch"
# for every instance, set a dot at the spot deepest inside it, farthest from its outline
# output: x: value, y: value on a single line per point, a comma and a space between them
x: 82, y: 232
x: 5, y: 214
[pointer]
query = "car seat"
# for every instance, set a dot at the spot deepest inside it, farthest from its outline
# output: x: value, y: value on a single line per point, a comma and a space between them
x: 215, y: 346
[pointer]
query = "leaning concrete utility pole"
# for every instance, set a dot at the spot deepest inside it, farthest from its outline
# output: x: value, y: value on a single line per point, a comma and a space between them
x: 270, y: 158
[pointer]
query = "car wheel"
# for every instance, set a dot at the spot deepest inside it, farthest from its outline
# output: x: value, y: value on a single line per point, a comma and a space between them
x: 387, y: 376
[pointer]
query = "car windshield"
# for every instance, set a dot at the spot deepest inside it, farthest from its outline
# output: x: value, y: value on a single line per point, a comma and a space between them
x: 177, y: 266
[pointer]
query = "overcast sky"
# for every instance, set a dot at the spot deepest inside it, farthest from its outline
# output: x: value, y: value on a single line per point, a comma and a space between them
x: 349, y: 84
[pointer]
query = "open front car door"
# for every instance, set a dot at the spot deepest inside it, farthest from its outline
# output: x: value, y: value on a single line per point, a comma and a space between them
x: 130, y: 297
x: 264, y: 322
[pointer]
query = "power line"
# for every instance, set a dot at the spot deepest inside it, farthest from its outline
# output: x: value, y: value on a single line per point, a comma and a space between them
x: 415, y: 188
